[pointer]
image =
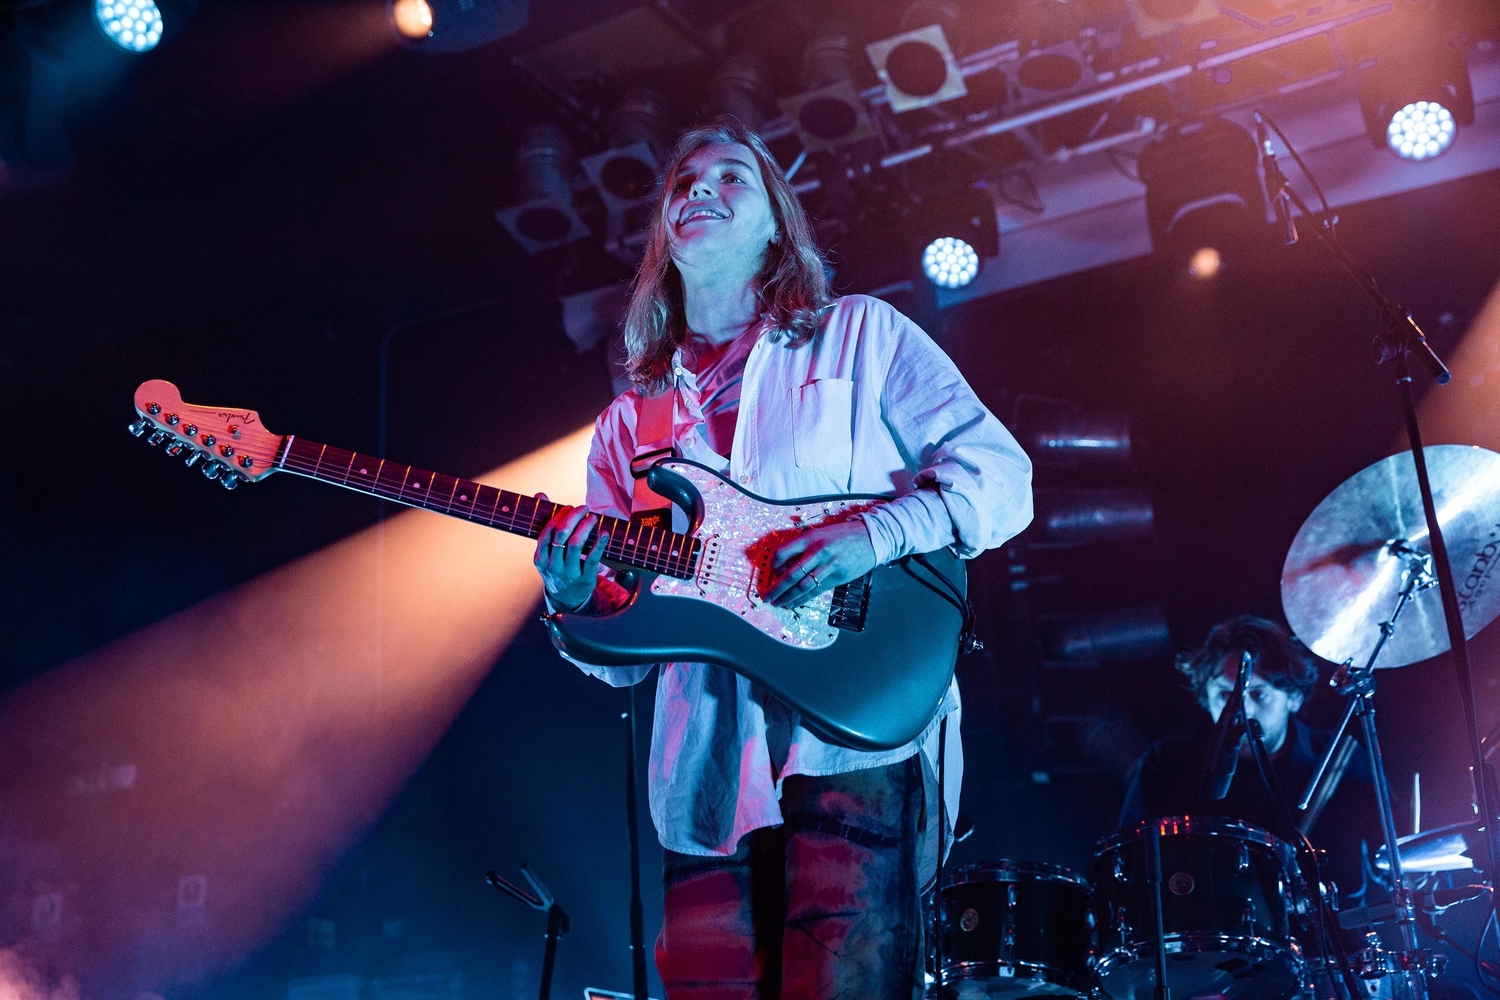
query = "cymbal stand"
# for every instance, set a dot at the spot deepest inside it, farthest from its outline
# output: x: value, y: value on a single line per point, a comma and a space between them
x: 1401, y: 340
x: 1358, y: 684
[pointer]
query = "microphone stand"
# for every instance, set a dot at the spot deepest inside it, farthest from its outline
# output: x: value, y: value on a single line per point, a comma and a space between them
x: 637, y: 921
x: 1401, y: 340
x: 1359, y: 684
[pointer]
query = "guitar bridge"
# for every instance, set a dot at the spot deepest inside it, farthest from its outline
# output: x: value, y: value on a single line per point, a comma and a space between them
x: 851, y: 602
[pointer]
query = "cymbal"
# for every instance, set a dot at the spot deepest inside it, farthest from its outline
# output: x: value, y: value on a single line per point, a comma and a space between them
x: 1350, y: 559
x: 1444, y: 849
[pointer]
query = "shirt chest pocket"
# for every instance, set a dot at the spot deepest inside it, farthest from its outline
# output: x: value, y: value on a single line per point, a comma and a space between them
x: 823, y: 427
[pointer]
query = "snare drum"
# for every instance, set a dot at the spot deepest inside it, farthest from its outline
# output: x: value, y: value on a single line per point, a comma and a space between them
x: 1228, y: 896
x: 1014, y: 928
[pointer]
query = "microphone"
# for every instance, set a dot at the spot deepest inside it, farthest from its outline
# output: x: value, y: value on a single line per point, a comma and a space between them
x: 1280, y: 202
x: 1223, y: 757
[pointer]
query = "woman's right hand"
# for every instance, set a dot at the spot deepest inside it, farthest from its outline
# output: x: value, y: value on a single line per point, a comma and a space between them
x: 569, y: 569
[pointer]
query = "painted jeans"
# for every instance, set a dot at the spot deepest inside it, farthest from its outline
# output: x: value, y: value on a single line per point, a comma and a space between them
x: 823, y: 907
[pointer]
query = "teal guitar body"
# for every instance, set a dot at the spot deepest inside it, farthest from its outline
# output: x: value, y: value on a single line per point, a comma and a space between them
x: 865, y: 664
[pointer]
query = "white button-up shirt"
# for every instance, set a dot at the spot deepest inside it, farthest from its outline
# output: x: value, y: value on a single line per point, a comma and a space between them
x: 871, y: 405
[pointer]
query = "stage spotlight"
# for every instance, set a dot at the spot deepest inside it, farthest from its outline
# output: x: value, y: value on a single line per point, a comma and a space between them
x: 950, y: 262
x: 741, y: 88
x: 412, y: 18
x: 956, y: 235
x: 1089, y: 640
x: 830, y: 113
x: 544, y: 218
x: 918, y: 68
x: 1068, y: 517
x: 133, y: 25
x: 1059, y: 435
x: 1413, y: 105
x: 441, y: 26
x: 1420, y: 130
x: 1205, y: 263
x: 1204, y: 204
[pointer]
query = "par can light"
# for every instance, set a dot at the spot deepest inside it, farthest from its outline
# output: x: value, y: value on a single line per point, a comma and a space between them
x: 133, y: 25
x: 1420, y: 130
x: 950, y: 262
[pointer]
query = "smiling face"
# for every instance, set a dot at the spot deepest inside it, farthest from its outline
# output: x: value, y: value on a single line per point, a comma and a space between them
x: 719, y: 215
x: 1266, y: 703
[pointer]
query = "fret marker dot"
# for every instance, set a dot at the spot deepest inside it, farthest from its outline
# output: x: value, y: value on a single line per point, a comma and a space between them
x: 653, y: 548
x: 416, y: 486
x: 505, y: 509
x: 364, y: 472
x: 462, y: 496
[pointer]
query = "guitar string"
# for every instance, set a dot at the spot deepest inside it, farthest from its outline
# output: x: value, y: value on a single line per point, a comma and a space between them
x: 726, y: 578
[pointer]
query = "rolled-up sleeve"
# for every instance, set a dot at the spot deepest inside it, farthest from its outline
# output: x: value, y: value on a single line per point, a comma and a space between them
x: 974, y: 480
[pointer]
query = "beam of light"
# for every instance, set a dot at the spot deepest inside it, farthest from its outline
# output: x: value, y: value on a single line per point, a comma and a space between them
x: 1467, y: 409
x: 176, y: 796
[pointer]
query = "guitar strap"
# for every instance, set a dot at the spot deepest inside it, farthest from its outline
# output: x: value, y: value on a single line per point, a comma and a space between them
x: 653, y: 442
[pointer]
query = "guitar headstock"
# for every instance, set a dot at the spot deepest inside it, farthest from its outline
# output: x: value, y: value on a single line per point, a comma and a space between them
x: 232, y: 445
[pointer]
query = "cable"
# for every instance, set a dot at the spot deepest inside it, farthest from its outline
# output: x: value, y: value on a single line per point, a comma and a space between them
x: 1305, y: 172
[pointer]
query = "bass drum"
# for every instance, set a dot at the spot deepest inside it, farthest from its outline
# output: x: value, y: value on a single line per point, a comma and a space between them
x: 1228, y: 895
x: 1017, y: 928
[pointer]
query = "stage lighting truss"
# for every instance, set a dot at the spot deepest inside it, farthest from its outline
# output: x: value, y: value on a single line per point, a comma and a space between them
x: 918, y: 68
x: 1161, y: 17
x: 133, y: 25
x: 828, y: 117
x: 1414, y: 105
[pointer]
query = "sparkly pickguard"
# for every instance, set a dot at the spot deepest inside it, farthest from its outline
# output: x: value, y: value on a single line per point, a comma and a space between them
x: 739, y: 535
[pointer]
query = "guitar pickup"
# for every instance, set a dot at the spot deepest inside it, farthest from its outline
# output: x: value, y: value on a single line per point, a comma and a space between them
x: 851, y: 603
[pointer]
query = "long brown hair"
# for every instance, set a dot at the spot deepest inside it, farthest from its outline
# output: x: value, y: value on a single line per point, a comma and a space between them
x: 791, y: 289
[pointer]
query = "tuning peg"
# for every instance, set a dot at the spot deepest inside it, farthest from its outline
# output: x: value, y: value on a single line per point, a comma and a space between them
x: 138, y: 427
x: 175, y: 448
x: 229, y: 480
x: 192, y: 458
x: 211, y: 470
x: 157, y: 438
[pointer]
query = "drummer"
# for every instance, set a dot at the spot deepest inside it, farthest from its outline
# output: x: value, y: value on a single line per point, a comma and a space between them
x: 1168, y: 779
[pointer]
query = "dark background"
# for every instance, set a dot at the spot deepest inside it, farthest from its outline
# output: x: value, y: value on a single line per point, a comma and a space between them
x: 256, y: 251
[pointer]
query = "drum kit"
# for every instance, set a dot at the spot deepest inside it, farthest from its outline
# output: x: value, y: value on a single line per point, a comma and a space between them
x: 1196, y: 907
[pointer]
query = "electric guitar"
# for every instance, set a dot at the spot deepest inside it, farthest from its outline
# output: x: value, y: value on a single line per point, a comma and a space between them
x: 865, y: 664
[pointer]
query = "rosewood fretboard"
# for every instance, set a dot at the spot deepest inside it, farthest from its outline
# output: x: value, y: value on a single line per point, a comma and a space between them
x: 654, y: 549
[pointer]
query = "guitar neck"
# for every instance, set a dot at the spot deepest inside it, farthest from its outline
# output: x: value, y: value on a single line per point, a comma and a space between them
x: 655, y: 549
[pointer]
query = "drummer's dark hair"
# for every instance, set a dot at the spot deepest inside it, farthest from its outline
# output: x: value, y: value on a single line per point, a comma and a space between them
x: 1275, y: 653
